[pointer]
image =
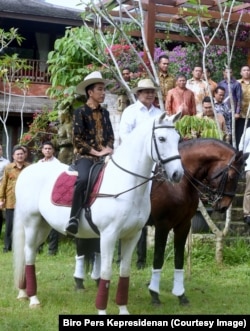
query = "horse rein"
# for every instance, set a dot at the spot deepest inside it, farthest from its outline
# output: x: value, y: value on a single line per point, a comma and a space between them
x: 208, y: 194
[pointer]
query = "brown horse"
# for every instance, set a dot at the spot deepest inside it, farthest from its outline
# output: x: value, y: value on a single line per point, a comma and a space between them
x: 212, y: 169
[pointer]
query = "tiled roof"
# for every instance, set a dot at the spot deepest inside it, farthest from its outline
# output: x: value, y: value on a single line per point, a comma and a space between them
x: 37, y: 8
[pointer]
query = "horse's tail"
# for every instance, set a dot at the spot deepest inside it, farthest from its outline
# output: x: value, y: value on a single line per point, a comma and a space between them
x: 18, y: 249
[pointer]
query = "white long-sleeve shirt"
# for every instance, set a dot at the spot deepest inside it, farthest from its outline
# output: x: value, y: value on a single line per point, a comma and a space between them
x: 134, y: 115
x: 245, y: 146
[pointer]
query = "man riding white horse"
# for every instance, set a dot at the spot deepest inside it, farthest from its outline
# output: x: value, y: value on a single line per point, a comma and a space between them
x: 93, y: 138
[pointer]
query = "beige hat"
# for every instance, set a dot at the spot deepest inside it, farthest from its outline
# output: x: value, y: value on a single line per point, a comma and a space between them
x: 93, y: 78
x: 144, y: 84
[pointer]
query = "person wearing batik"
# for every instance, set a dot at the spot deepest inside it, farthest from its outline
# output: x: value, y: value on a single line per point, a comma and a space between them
x: 198, y: 86
x: 167, y: 81
x: 93, y: 139
x: 222, y: 108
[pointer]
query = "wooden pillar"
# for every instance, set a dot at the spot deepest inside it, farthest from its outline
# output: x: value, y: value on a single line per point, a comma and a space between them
x: 149, y: 27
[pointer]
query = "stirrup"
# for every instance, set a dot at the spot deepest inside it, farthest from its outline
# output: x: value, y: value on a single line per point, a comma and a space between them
x: 74, y: 218
x: 72, y: 227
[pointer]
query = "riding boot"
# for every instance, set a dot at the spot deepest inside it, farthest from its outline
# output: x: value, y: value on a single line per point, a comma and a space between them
x: 72, y: 227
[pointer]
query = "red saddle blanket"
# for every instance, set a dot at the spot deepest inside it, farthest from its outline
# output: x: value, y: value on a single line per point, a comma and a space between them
x: 62, y: 193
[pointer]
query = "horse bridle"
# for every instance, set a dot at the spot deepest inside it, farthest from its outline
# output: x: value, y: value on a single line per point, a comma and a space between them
x: 208, y: 194
x: 169, y: 159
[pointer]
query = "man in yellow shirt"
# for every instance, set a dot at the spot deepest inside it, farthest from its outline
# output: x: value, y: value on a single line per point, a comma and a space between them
x: 7, y: 192
x: 167, y: 81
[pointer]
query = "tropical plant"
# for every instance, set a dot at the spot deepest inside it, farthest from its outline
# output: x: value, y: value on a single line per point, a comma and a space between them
x: 42, y: 128
x: 191, y: 127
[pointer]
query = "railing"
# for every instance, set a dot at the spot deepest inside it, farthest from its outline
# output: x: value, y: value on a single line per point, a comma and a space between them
x: 36, y: 72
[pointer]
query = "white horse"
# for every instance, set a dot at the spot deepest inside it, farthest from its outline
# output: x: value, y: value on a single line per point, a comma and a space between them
x: 127, y: 182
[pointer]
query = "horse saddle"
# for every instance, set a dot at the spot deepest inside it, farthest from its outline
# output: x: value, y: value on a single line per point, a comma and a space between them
x: 62, y: 193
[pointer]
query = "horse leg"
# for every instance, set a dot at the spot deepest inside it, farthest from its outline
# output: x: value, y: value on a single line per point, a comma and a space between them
x: 34, y: 237
x: 178, y: 283
x: 159, y: 252
x: 32, y: 286
x: 127, y: 249
x: 79, y: 273
x: 107, y: 242
x: 28, y: 234
x: 22, y: 293
x: 96, y: 271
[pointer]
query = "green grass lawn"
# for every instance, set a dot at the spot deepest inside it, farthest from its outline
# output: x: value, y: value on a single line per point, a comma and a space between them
x: 211, y: 289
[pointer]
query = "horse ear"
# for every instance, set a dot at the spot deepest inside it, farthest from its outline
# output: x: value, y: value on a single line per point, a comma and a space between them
x: 245, y: 156
x: 162, y: 116
x: 241, y: 156
x: 172, y: 118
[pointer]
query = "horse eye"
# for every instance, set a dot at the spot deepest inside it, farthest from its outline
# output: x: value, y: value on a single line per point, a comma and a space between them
x: 162, y: 139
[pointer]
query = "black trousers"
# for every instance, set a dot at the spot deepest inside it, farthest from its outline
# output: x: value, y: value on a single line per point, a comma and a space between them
x: 9, y: 216
x: 83, y: 167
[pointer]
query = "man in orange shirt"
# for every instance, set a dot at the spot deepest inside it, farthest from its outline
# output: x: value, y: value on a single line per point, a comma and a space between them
x: 180, y: 98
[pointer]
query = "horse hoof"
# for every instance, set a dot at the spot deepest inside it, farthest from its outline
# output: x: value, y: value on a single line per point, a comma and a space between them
x: 155, y: 298
x: 35, y: 306
x: 79, y: 284
x: 102, y: 312
x: 22, y: 295
x: 183, y: 300
x: 34, y: 302
x: 22, y: 298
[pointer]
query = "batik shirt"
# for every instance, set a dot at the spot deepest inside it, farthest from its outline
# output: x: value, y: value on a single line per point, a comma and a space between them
x: 222, y: 108
x: 245, y: 97
x: 7, y: 187
x: 92, y: 128
x: 236, y: 94
x: 200, y: 90
x: 167, y: 82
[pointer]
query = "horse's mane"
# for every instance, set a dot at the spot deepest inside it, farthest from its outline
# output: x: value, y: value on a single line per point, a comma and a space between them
x: 201, y: 141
